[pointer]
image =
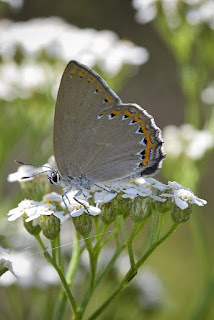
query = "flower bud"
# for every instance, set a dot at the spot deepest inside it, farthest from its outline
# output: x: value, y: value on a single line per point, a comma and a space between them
x: 179, y: 215
x: 83, y: 224
x: 122, y: 206
x: 50, y: 226
x: 32, y: 227
x: 141, y: 209
x: 163, y: 207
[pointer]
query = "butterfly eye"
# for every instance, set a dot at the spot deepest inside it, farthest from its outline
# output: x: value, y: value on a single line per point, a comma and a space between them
x: 55, y: 178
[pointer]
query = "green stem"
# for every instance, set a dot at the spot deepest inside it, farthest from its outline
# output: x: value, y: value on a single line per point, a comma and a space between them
x: 101, y: 237
x: 112, y: 235
x: 93, y: 266
x: 161, y: 219
x: 131, y: 274
x: 59, y: 253
x: 53, y: 247
x: 96, y: 225
x: 155, y: 219
x: 61, y: 275
x: 73, y: 266
x: 120, y: 218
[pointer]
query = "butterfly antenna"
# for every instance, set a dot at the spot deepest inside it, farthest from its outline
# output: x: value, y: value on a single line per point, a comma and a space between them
x: 34, y: 165
x: 35, y: 174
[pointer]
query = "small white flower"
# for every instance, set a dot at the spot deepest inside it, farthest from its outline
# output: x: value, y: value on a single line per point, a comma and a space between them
x: 21, y: 209
x: 183, y: 197
x: 34, y: 209
x: 153, y: 182
x: 136, y: 192
x: 94, y: 211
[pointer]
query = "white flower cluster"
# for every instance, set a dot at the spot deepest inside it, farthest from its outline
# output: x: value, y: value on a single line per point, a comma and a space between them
x: 186, y: 139
x: 197, y: 11
x: 142, y: 187
x: 61, y: 41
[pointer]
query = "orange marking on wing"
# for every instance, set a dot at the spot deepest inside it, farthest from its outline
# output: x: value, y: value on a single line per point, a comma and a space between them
x: 137, y: 119
x: 115, y: 112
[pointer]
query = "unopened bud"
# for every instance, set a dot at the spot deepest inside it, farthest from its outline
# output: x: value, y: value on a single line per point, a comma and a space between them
x: 50, y: 226
x: 32, y: 226
x: 83, y: 224
x: 179, y: 215
x: 141, y: 209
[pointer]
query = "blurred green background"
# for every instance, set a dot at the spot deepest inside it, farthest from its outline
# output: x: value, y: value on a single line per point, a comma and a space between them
x: 175, y: 85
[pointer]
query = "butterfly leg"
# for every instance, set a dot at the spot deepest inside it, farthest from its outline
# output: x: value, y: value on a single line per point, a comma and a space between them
x: 105, y: 189
x: 82, y: 204
x: 63, y: 199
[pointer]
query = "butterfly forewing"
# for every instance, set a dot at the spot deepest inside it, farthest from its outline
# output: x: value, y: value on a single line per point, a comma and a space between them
x: 82, y: 93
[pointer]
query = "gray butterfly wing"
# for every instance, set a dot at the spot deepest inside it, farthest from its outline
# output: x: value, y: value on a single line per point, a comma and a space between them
x: 97, y: 136
x: 82, y: 93
x: 119, y: 142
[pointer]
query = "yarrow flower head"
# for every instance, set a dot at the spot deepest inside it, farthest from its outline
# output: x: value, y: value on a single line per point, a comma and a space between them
x: 136, y: 198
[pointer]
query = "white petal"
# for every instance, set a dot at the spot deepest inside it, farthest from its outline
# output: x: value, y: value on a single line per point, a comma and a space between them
x: 180, y: 203
x: 131, y: 191
x: 33, y: 217
x: 126, y: 196
x: 77, y: 213
x: 94, y: 211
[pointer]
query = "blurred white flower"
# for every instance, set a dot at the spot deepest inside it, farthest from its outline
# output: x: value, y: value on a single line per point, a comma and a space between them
x: 188, y: 140
x: 202, y: 13
x: 31, y: 270
x: 25, y: 79
x: 207, y: 94
x: 146, y: 10
x: 15, y: 4
x: 150, y: 288
x: 196, y: 11
x: 61, y: 41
